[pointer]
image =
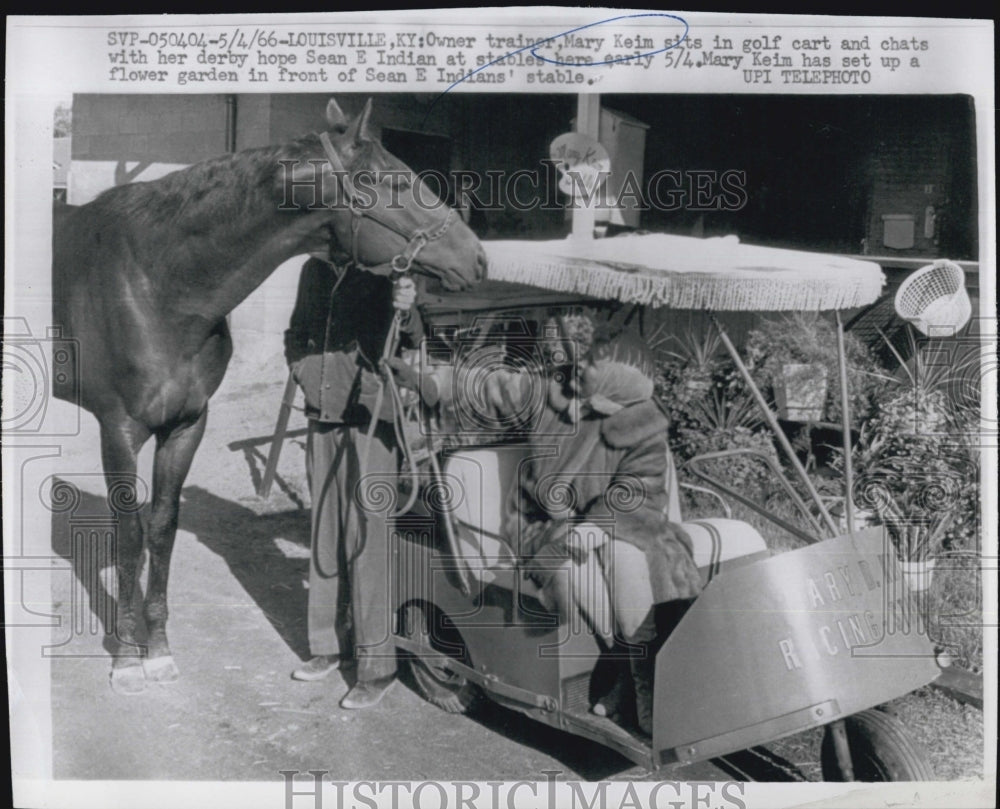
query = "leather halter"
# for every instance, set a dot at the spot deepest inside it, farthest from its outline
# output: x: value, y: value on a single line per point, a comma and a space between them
x: 415, y: 241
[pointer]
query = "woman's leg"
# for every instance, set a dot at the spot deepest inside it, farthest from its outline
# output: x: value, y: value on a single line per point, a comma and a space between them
x: 632, y: 600
x: 577, y: 591
x: 612, y: 586
x: 631, y: 591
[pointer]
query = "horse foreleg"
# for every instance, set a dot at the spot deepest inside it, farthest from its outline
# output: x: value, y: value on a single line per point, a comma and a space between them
x: 121, y: 440
x: 174, y: 451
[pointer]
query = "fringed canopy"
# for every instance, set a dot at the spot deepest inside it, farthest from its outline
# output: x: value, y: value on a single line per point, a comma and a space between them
x: 682, y: 272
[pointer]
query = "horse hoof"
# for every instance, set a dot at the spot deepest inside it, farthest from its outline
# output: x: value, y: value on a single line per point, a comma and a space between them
x: 161, y: 669
x: 128, y: 680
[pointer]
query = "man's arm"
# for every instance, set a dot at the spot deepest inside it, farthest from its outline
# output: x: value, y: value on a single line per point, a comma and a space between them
x: 307, y: 298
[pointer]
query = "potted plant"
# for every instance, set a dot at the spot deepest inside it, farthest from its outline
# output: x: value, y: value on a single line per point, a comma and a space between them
x: 913, y: 468
x: 914, y: 485
x: 792, y: 357
x: 800, y: 391
x: 696, y: 360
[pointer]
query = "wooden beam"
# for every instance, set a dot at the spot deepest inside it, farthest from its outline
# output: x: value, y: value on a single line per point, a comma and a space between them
x: 588, y: 114
x: 588, y: 122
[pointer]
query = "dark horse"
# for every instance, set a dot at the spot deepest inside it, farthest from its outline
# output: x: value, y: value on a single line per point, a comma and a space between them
x: 144, y: 276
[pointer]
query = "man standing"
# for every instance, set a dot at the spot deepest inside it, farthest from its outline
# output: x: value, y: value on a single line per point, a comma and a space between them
x: 333, y: 345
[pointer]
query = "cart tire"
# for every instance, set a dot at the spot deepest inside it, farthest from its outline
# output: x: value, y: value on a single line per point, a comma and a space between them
x: 448, y: 691
x: 882, y: 749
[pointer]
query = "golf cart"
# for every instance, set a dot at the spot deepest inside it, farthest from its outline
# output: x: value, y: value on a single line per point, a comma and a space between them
x: 776, y: 643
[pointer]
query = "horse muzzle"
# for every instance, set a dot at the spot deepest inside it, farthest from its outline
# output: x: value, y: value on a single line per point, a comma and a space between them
x: 468, y: 274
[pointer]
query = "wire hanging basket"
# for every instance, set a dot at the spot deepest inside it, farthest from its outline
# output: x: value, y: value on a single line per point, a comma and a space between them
x: 934, y: 299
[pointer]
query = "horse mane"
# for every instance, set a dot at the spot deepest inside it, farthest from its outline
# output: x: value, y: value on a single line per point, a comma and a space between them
x: 219, y: 188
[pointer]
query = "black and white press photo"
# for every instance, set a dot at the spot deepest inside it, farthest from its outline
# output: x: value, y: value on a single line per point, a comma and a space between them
x: 523, y: 407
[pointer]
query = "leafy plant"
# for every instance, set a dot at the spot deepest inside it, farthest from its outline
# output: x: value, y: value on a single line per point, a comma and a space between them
x: 921, y: 403
x: 698, y: 352
x: 709, y: 409
x: 803, y: 338
x: 915, y: 486
x: 913, y: 463
x: 720, y: 422
x: 692, y: 364
x: 720, y: 414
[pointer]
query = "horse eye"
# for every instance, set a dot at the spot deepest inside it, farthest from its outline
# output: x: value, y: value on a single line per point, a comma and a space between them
x: 401, y: 182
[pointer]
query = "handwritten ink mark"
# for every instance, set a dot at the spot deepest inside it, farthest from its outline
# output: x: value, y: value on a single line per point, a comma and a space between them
x: 533, y: 50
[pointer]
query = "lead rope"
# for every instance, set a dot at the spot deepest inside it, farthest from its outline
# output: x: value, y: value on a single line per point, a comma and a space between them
x: 399, y: 424
x: 388, y: 351
x: 400, y: 265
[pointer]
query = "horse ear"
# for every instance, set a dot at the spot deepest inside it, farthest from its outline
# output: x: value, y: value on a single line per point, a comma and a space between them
x: 335, y: 116
x: 360, y: 129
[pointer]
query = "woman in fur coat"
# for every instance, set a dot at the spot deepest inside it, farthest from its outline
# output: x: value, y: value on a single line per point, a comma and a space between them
x: 587, y: 519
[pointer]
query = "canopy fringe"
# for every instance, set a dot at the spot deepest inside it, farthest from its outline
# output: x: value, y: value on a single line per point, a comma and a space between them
x: 735, y: 279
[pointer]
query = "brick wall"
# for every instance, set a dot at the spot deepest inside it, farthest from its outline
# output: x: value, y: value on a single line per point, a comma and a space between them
x: 911, y: 173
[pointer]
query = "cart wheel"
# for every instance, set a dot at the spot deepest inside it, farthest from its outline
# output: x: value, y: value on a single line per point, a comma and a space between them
x: 881, y: 750
x: 448, y: 691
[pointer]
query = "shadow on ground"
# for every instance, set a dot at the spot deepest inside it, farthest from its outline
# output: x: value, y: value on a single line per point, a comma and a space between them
x: 254, y: 547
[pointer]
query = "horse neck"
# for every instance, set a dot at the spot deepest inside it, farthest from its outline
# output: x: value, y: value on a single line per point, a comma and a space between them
x: 233, y: 261
x: 206, y: 237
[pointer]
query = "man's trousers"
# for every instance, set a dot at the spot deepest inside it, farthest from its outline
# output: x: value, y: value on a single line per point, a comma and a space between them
x: 349, y: 597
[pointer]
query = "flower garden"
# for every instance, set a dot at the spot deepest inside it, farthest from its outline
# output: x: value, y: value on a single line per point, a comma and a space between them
x: 914, y: 419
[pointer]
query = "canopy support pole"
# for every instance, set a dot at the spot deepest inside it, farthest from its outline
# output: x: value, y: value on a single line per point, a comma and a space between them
x: 846, y: 424
x: 588, y: 122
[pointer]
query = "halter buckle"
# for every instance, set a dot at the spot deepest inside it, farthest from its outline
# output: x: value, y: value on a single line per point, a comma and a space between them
x: 404, y: 261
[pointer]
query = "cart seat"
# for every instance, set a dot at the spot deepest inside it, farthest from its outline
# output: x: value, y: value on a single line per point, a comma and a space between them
x: 481, y: 480
x: 718, y: 543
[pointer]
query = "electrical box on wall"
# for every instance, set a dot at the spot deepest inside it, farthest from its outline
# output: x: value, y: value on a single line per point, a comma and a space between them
x: 897, y: 231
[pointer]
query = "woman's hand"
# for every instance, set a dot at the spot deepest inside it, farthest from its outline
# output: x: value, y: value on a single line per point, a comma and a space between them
x: 409, y: 377
x: 586, y: 537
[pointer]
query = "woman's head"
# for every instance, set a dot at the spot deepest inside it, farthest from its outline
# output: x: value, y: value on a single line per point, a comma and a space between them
x: 567, y: 337
x: 617, y: 371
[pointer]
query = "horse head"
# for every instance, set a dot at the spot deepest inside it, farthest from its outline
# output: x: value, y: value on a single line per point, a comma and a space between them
x: 384, y: 216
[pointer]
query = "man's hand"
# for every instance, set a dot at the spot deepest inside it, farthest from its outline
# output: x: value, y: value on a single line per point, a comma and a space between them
x: 404, y: 293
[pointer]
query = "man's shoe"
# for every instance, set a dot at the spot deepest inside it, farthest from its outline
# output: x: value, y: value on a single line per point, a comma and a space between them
x: 367, y: 693
x: 317, y: 668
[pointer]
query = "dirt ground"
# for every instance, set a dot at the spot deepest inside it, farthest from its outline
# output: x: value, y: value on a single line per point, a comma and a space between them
x: 237, y: 629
